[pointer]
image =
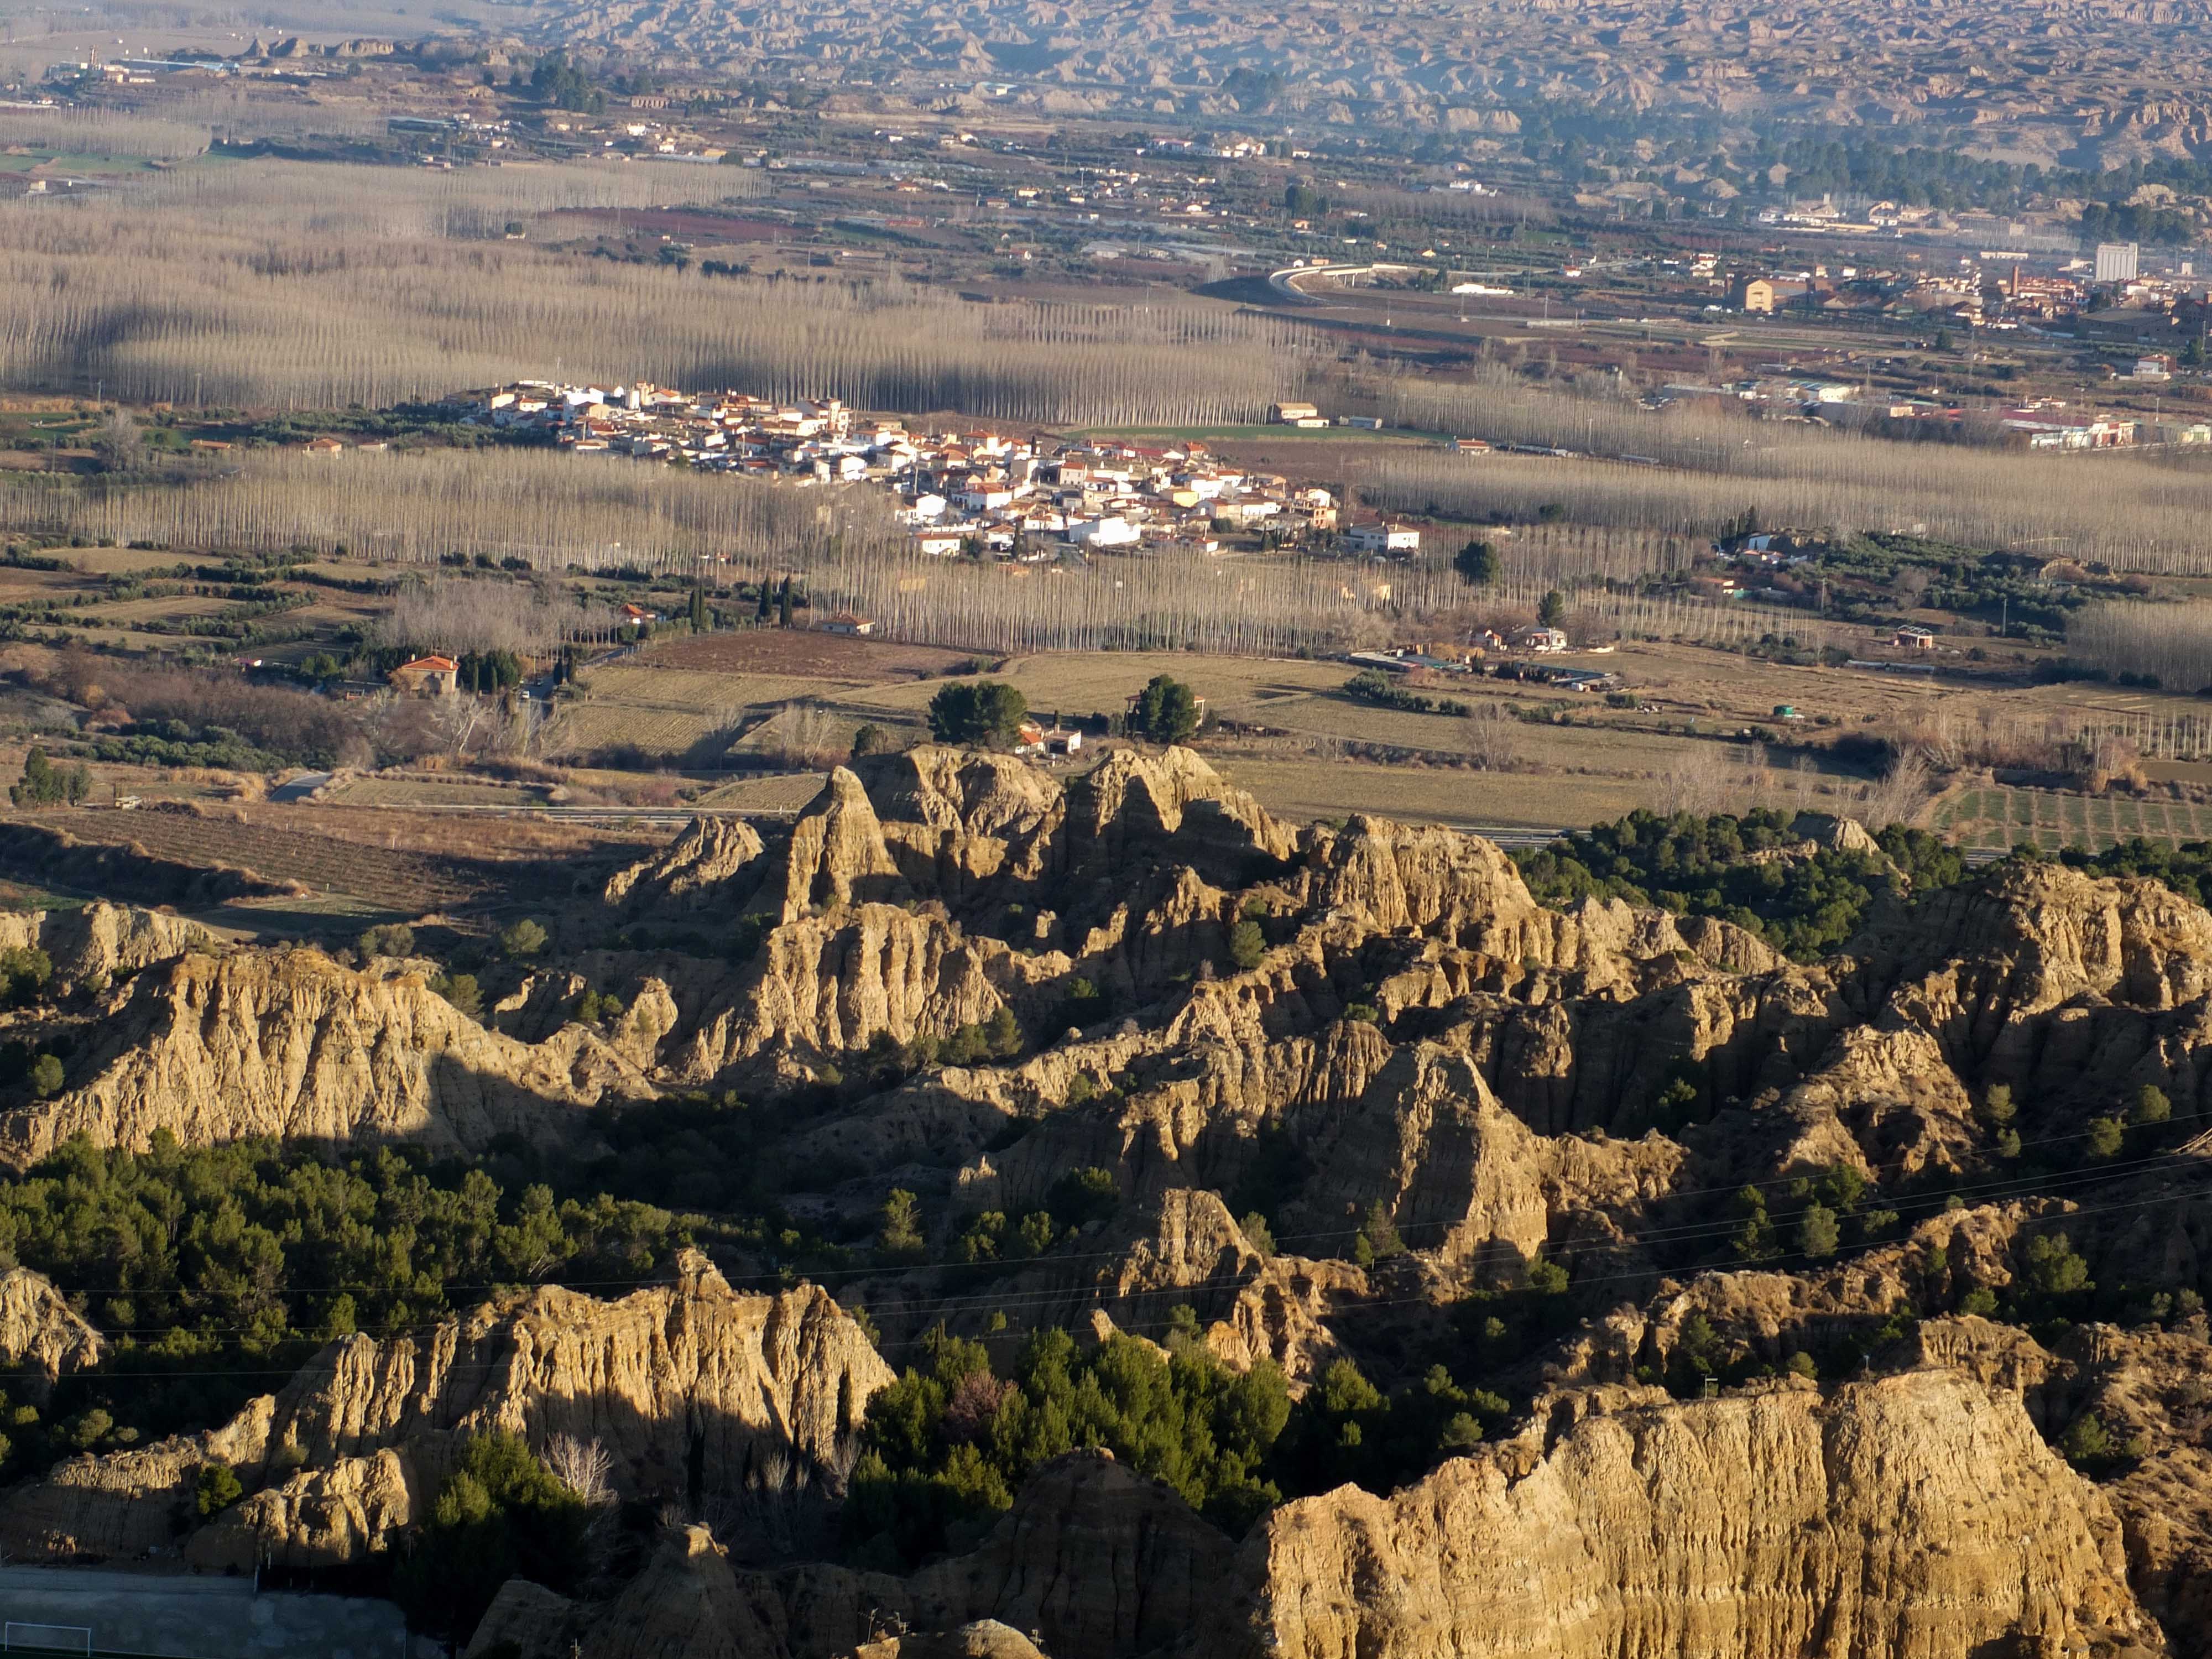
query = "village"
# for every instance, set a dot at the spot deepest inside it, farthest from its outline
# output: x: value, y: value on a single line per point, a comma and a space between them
x: 980, y: 493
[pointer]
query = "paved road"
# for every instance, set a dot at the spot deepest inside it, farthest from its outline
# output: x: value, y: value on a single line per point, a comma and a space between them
x: 191, y: 1617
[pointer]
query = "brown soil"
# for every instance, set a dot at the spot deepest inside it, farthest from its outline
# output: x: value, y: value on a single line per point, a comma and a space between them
x: 803, y: 652
x: 370, y: 854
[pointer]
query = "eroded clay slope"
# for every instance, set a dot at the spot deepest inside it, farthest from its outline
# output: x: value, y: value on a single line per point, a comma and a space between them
x: 1915, y: 1517
x: 290, y: 1044
x: 691, y: 1389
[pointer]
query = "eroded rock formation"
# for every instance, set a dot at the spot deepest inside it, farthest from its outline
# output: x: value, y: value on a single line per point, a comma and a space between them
x: 689, y: 1387
x: 1917, y: 1515
x: 288, y: 1044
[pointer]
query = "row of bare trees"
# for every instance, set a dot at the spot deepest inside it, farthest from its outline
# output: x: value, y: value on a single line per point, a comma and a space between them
x: 2135, y: 512
x: 186, y: 125
x: 2172, y: 642
x: 276, y: 283
x: 487, y: 613
x: 548, y: 508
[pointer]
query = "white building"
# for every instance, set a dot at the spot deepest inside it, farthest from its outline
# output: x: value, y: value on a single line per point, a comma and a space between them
x: 1103, y: 532
x: 2116, y: 262
x: 1385, y: 537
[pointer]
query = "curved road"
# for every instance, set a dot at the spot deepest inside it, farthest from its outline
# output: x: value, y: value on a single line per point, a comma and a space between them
x: 1284, y: 282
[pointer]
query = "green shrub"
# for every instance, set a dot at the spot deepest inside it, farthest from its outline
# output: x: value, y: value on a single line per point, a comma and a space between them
x: 390, y: 939
x: 899, y: 1236
x: 1712, y: 866
x: 44, y: 784
x: 1082, y: 1196
x: 501, y: 1514
x: 986, y: 713
x: 952, y: 1441
x: 1166, y: 711
x: 460, y: 990
x: 216, y: 1488
x: 2053, y: 1268
x: 24, y: 971
x: 2086, y: 1441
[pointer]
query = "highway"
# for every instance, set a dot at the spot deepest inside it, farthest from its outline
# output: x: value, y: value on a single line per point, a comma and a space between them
x: 1284, y: 282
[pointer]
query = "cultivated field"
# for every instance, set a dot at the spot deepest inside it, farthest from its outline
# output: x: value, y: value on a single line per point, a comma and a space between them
x: 1998, y: 818
x: 1304, y: 790
x: 807, y: 655
x: 693, y: 713
x: 392, y: 862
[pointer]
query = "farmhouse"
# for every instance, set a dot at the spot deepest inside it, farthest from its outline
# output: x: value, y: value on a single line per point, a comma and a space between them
x: 1385, y: 537
x: 426, y: 676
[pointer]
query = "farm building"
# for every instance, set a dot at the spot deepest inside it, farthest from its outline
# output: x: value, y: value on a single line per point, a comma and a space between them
x: 426, y: 676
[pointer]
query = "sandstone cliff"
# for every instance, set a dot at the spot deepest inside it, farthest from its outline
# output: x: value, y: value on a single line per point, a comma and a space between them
x: 691, y: 1388
x: 2147, y: 1391
x: 717, y: 860
x: 1917, y: 1515
x: 41, y: 1334
x: 1913, y: 1514
x: 291, y: 1044
x: 100, y: 941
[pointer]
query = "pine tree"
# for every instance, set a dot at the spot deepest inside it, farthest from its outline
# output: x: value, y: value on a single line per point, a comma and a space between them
x: 1477, y: 564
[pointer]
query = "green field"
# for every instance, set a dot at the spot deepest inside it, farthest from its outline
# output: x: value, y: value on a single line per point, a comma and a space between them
x: 71, y: 163
x: 1998, y: 818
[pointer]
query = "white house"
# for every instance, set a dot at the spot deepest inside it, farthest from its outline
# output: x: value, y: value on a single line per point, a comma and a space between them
x: 1103, y: 532
x: 1542, y: 641
x: 1385, y: 537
